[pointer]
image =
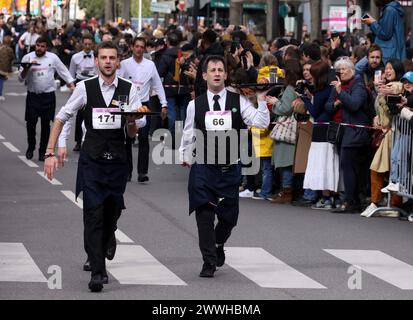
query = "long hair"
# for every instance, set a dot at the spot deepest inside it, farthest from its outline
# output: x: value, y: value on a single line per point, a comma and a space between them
x: 320, y: 71
x: 293, y: 72
x: 398, y: 68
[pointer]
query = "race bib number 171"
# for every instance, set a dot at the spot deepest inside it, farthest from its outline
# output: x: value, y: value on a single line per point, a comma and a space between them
x: 102, y: 119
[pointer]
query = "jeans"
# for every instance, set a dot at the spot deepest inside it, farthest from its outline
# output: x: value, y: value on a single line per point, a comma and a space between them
x: 266, y: 169
x: 2, y: 80
x: 287, y: 177
x: 176, y: 108
x: 395, y: 158
x: 310, y: 195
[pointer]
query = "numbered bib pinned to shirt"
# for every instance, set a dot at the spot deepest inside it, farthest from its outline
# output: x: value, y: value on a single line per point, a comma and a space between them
x: 102, y: 119
x: 218, y: 120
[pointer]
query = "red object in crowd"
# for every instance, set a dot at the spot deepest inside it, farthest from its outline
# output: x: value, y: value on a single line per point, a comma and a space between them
x: 93, y: 21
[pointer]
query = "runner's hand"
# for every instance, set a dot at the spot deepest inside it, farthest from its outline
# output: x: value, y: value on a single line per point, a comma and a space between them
x: 50, y: 165
x: 61, y: 156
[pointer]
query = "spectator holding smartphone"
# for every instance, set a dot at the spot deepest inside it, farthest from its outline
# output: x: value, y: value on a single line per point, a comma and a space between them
x: 389, y: 29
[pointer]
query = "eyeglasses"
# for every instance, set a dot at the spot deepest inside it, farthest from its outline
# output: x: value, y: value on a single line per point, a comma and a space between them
x: 343, y: 58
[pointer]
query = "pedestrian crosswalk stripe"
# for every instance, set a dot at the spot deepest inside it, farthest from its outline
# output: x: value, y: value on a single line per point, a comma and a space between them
x: 134, y: 265
x: 16, y: 94
x: 16, y: 264
x: 11, y: 147
x: 122, y: 238
x: 380, y: 265
x: 53, y: 181
x: 266, y: 270
x: 1, y: 137
x: 30, y: 163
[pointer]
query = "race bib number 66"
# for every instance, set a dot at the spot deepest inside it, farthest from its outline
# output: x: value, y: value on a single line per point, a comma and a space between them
x: 218, y: 120
x: 102, y: 119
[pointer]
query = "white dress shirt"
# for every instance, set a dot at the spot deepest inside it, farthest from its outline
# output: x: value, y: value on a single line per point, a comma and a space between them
x: 145, y: 76
x: 257, y: 117
x: 82, y: 66
x: 78, y: 100
x: 40, y: 79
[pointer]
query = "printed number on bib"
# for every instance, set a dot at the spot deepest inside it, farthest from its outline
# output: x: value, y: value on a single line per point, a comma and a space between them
x: 218, y: 120
x: 102, y: 119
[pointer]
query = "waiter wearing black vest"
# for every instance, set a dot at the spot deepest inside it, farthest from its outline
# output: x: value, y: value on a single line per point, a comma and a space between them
x: 216, y: 173
x: 102, y: 169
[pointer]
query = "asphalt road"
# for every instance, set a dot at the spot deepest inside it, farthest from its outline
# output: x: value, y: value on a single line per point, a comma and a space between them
x: 275, y: 252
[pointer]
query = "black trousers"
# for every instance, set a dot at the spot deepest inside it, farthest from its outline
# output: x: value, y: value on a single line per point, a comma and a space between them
x: 78, y: 127
x: 39, y: 106
x: 351, y: 163
x: 143, y: 148
x: 99, y: 226
x: 209, y: 234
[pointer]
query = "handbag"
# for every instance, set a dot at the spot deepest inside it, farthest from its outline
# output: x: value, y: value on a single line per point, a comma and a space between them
x: 377, y: 138
x: 285, y: 129
x: 334, y: 132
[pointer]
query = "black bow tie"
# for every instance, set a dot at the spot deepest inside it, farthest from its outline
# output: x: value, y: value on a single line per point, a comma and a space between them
x: 87, y: 56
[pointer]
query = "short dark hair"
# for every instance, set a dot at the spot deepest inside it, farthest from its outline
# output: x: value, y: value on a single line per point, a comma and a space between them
x: 41, y: 39
x: 312, y: 50
x: 209, y: 36
x: 375, y: 47
x: 213, y: 59
x: 88, y: 36
x: 106, y: 45
x: 173, y: 39
x: 142, y: 39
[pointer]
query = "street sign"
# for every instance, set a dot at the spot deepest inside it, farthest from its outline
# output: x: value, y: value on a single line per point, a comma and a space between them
x: 163, y: 7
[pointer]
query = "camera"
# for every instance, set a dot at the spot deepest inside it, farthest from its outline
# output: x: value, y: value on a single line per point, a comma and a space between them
x: 392, y: 102
x: 237, y: 28
x: 234, y: 46
x: 300, y: 87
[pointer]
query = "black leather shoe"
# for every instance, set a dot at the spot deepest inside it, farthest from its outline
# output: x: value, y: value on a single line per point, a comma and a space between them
x: 96, y: 283
x: 29, y: 154
x: 220, y: 256
x: 86, y: 266
x: 77, y: 147
x: 207, y: 271
x: 111, y: 248
x: 105, y: 278
x: 143, y: 178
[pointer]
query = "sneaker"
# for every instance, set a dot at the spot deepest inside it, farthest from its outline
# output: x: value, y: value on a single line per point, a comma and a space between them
x: 258, y: 196
x: 394, y: 187
x: 246, y: 194
x: 368, y: 212
x: 323, y: 204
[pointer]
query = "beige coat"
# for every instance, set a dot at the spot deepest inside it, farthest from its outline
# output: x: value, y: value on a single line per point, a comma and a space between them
x: 381, y: 160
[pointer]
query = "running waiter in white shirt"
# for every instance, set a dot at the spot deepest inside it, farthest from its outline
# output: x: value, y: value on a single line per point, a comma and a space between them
x: 41, y: 98
x: 82, y: 67
x: 142, y: 72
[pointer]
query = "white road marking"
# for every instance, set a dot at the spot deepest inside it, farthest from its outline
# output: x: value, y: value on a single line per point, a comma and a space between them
x: 134, y: 265
x: 16, y: 264
x: 16, y: 94
x: 71, y: 196
x: 11, y: 147
x: 380, y: 265
x: 54, y: 181
x: 120, y: 236
x: 30, y: 163
x: 1, y: 137
x: 266, y: 270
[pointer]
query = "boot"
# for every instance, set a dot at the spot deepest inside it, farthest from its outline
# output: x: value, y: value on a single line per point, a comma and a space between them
x: 285, y: 196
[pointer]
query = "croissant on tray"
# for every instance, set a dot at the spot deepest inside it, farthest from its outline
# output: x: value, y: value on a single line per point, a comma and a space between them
x: 144, y: 109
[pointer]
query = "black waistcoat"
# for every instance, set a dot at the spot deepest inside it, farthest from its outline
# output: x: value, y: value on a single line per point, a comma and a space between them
x: 99, y: 141
x: 211, y: 150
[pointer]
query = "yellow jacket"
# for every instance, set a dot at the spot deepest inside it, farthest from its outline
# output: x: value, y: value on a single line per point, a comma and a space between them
x: 264, y: 72
x: 261, y: 142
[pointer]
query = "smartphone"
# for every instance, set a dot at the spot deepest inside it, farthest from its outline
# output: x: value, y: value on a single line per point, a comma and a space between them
x: 366, y: 16
x: 393, y: 99
x: 338, y: 74
x: 377, y: 76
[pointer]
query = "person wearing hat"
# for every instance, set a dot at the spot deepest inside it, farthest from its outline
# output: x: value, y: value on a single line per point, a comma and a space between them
x: 407, y: 99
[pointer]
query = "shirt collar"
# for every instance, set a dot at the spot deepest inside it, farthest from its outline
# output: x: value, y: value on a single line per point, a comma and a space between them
x: 222, y: 95
x: 103, y: 84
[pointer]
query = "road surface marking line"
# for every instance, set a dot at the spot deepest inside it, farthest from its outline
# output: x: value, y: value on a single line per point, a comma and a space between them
x: 11, y: 147
x: 53, y: 182
x: 16, y: 264
x: 134, y: 265
x: 1, y: 137
x: 30, y: 163
x: 266, y: 270
x: 380, y: 265
x: 120, y: 236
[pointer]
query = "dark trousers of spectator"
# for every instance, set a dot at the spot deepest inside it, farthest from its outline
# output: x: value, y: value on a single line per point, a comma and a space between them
x: 143, y: 148
x: 350, y: 163
x: 209, y: 234
x: 99, y: 226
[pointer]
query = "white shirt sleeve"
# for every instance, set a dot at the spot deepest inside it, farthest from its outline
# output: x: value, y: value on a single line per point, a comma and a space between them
x: 156, y: 85
x: 76, y: 102
x: 188, y: 137
x: 64, y: 134
x: 257, y: 117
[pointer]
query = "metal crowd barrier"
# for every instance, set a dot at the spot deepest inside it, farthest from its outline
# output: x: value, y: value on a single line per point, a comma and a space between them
x: 402, y: 150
